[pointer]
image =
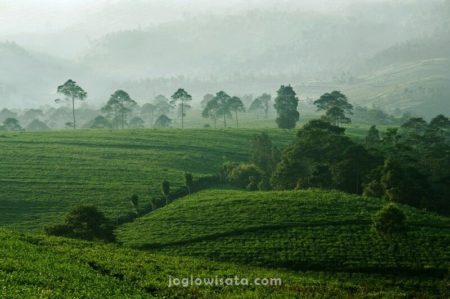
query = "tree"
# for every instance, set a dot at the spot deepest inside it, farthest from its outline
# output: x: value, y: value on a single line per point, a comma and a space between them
x: 100, y: 122
x: 206, y: 99
x: 148, y: 112
x: 134, y: 199
x: 223, y: 104
x: 261, y: 104
x: 37, y: 125
x: 6, y: 113
x: 336, y: 106
x: 162, y: 105
x: 373, y: 137
x: 182, y: 97
x: 308, y: 162
x: 188, y: 181
x: 137, y: 123
x: 390, y: 221
x: 236, y: 106
x: 72, y: 91
x: 219, y: 106
x: 84, y: 222
x: 263, y: 153
x: 210, y: 111
x: 11, y: 124
x: 286, y: 104
x: 119, y: 105
x: 163, y: 121
x: 165, y: 190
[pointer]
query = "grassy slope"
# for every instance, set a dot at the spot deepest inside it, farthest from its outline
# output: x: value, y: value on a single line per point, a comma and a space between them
x: 41, y: 267
x: 421, y: 86
x: 43, y: 175
x: 296, y: 229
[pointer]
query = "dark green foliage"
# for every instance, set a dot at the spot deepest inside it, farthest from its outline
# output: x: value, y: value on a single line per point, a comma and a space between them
x: 72, y: 91
x: 286, y: 104
x: 119, y: 105
x: 188, y: 181
x: 253, y: 185
x: 11, y: 124
x: 263, y: 153
x: 163, y: 121
x: 264, y: 184
x: 84, y: 222
x: 240, y: 174
x: 322, y: 157
x: 165, y: 189
x: 373, y: 137
x: 390, y: 221
x: 336, y: 107
x: 134, y: 199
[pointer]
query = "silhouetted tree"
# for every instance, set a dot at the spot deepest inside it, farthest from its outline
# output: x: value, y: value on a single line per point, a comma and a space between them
x: 236, y: 106
x: 119, y: 105
x: 286, y: 104
x: 182, y: 97
x: 163, y: 121
x: 336, y: 106
x: 72, y: 91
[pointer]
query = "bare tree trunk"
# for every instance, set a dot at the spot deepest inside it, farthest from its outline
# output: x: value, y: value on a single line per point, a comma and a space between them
x: 182, y: 114
x: 237, y: 122
x: 73, y: 112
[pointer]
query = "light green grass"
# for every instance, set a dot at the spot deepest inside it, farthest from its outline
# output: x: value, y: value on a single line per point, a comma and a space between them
x: 43, y: 175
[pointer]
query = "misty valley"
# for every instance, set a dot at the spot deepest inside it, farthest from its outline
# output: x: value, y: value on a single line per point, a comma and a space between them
x: 226, y: 149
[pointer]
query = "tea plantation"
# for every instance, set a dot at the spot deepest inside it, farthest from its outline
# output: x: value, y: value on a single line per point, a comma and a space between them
x: 300, y: 230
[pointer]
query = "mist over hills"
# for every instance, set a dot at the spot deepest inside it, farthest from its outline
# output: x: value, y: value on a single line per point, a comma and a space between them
x: 254, y: 51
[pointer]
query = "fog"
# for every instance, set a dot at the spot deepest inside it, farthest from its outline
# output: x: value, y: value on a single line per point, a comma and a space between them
x: 246, y: 47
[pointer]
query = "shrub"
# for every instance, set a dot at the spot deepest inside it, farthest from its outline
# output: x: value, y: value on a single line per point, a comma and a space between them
x: 390, y: 221
x: 240, y: 175
x: 84, y: 222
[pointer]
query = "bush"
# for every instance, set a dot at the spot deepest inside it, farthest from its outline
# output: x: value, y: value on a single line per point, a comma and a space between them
x: 84, y: 222
x: 240, y: 175
x: 390, y: 221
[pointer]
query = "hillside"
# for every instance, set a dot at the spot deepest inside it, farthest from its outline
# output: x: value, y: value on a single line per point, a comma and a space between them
x: 299, y: 230
x: 43, y: 175
x: 42, y: 267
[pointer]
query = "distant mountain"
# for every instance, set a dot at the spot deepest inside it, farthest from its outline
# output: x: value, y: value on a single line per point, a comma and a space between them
x: 30, y: 79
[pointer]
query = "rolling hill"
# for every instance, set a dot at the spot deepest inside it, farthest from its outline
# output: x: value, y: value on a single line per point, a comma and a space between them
x: 34, y: 266
x: 299, y: 230
x: 43, y: 175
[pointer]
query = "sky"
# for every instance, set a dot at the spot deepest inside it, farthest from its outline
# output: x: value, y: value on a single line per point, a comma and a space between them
x: 47, y: 16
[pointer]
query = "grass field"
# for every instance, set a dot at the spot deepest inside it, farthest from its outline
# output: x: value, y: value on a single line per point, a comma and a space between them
x: 43, y: 175
x: 297, y: 229
x: 41, y: 267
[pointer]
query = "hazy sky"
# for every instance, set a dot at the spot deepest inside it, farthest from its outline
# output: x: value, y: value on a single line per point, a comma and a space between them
x: 46, y: 16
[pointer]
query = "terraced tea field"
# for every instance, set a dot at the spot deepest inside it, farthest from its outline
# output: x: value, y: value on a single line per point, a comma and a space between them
x: 294, y: 229
x: 43, y: 175
x: 42, y: 267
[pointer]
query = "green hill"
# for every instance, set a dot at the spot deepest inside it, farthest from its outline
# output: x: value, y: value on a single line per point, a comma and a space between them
x: 44, y: 175
x: 300, y: 230
x: 43, y: 267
